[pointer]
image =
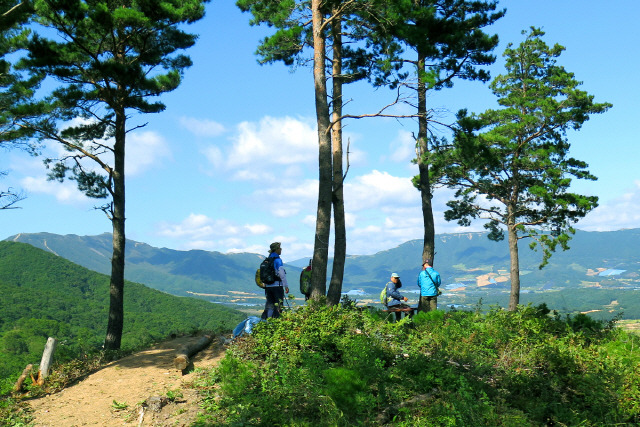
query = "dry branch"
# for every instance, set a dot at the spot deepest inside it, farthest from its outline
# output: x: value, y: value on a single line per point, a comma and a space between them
x: 23, y: 377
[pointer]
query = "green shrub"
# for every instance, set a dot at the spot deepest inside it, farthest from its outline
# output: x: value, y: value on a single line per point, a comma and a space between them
x: 339, y: 366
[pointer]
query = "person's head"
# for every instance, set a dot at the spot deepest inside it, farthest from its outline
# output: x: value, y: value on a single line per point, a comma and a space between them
x: 395, y: 278
x: 426, y: 263
x: 275, y: 247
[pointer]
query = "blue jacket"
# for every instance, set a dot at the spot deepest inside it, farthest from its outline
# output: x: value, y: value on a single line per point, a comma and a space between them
x: 428, y: 287
x: 392, y: 292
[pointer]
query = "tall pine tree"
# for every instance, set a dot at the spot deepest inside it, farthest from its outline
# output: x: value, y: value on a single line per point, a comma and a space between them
x: 511, y: 166
x: 109, y: 59
x: 442, y: 40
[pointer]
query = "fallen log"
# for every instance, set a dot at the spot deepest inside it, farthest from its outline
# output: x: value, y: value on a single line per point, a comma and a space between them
x: 182, y: 359
x: 23, y: 377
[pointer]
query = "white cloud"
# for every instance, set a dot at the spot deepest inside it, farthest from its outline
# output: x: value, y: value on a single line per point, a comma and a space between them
x: 144, y: 150
x: 390, y: 224
x: 214, y: 155
x: 621, y: 212
x: 267, y: 149
x: 378, y: 189
x: 198, y: 227
x: 65, y: 192
x: 309, y: 220
x: 202, y: 127
x: 403, y: 148
x: 288, y: 200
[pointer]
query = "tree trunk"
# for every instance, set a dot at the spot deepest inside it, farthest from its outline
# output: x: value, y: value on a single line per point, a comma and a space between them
x: 116, y: 288
x: 514, y: 298
x: 340, y: 244
x: 184, y: 353
x: 323, y: 216
x: 428, y: 250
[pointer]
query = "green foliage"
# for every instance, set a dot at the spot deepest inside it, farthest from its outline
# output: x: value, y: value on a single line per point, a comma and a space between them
x: 14, y: 412
x: 47, y: 296
x: 517, y: 157
x: 448, y: 36
x: 334, y: 366
x: 15, y: 87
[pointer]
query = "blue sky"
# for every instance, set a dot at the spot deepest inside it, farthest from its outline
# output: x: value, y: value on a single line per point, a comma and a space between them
x: 231, y: 164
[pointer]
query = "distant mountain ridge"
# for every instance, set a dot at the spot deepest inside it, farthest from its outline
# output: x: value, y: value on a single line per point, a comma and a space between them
x: 460, y: 258
x: 168, y: 270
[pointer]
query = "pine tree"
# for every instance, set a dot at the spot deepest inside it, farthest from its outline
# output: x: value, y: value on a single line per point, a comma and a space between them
x: 511, y: 166
x: 109, y: 59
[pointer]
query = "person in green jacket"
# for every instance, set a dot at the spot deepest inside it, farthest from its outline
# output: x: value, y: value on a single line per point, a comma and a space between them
x: 305, y: 281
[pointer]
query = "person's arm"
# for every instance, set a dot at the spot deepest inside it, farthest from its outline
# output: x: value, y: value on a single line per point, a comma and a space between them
x: 394, y: 293
x: 283, y: 278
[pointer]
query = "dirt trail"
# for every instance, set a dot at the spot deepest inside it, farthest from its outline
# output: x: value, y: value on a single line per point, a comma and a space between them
x: 129, y: 381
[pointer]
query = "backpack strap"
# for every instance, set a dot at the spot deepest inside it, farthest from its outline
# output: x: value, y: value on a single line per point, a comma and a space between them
x: 432, y: 281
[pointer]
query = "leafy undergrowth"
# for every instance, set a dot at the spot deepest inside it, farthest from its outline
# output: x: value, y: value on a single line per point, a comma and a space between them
x: 338, y: 366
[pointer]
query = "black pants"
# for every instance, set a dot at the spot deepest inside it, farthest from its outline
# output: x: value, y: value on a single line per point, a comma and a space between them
x: 275, y: 300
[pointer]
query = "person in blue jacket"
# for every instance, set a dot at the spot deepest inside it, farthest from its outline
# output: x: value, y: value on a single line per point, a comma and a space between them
x: 429, y: 283
x: 275, y: 292
x: 394, y: 298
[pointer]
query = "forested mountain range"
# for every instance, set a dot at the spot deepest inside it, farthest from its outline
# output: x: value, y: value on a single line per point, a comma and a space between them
x: 469, y: 263
x: 46, y: 295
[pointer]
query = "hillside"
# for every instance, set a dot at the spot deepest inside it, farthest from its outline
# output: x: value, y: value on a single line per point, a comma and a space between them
x: 472, y: 267
x: 179, y: 273
x: 45, y: 295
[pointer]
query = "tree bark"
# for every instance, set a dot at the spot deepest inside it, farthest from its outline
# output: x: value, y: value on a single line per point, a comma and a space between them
x: 47, y: 359
x: 184, y: 353
x: 340, y: 244
x: 116, y: 288
x: 514, y: 298
x: 424, y: 185
x: 323, y: 216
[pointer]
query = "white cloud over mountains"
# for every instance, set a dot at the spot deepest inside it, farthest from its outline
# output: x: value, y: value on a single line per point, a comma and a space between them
x: 621, y: 212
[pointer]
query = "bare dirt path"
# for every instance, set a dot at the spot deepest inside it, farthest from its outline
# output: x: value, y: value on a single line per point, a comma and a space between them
x: 129, y: 382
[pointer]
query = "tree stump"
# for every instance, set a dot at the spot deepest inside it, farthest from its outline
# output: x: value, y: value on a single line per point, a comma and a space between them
x: 47, y: 358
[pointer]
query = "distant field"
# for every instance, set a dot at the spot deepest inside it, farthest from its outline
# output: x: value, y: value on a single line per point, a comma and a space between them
x: 630, y: 325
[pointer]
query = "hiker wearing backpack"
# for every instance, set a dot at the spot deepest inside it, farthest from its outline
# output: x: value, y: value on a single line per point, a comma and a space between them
x: 394, y: 298
x: 275, y: 282
x: 305, y: 281
x: 429, y: 283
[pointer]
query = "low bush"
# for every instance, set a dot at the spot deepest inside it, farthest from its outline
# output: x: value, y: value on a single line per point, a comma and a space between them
x: 322, y: 365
